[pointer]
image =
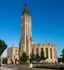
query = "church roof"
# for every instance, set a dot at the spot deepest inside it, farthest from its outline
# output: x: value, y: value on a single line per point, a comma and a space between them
x: 26, y: 10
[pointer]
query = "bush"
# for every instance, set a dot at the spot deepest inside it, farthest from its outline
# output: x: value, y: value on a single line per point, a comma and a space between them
x: 50, y: 67
x: 24, y: 58
x: 4, y: 61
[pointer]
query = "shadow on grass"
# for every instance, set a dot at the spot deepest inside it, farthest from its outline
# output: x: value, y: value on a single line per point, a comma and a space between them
x: 51, y: 67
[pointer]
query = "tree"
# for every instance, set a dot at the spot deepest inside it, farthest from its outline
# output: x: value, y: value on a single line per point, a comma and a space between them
x: 4, y: 61
x: 62, y: 55
x: 32, y: 57
x: 42, y: 55
x: 37, y: 57
x: 3, y: 46
x: 24, y: 57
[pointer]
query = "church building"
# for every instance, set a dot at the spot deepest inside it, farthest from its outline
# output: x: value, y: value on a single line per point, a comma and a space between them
x: 26, y: 42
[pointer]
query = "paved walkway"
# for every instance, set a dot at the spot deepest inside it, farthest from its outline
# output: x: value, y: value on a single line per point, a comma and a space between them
x: 5, y: 68
x: 20, y: 68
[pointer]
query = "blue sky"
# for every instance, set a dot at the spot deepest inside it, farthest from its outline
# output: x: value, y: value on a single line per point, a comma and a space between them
x: 47, y: 21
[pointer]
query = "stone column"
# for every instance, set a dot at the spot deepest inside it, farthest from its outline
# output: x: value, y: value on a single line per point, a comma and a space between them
x: 44, y: 49
x: 53, y: 53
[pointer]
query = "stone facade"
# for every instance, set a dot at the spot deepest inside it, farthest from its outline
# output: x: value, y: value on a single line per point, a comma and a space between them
x: 26, y: 33
x: 12, y: 54
x: 49, y: 51
x: 26, y: 43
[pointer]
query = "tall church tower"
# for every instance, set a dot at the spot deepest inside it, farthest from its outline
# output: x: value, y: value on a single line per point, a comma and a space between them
x: 26, y: 34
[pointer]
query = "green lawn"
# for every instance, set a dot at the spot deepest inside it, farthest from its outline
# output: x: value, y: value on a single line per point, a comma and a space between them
x: 49, y: 66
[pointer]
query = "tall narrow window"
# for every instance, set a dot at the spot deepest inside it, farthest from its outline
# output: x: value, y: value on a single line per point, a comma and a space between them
x: 32, y: 50
x: 46, y: 52
x: 51, y: 52
x: 37, y: 50
x: 41, y: 49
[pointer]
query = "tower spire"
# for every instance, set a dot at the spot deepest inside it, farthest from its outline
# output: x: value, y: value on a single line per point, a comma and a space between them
x: 25, y: 4
x: 26, y: 10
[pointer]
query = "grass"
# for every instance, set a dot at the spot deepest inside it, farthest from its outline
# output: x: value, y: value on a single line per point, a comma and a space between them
x: 48, y: 67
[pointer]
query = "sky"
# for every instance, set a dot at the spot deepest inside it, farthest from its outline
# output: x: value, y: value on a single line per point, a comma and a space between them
x: 47, y: 22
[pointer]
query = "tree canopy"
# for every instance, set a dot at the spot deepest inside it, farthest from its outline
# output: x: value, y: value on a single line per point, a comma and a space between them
x: 24, y: 57
x: 32, y: 57
x: 42, y: 55
x: 3, y: 46
x: 37, y: 57
x: 62, y: 55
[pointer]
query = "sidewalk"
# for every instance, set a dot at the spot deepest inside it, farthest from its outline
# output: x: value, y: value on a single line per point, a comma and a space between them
x: 5, y: 68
